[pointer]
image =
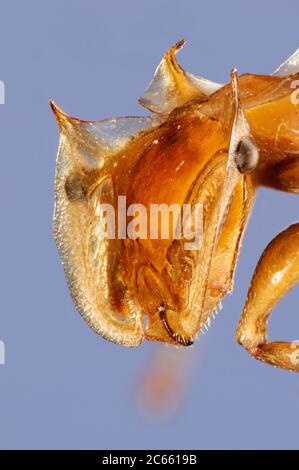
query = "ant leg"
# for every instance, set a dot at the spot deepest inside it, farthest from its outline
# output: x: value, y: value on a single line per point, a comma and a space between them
x: 276, y: 273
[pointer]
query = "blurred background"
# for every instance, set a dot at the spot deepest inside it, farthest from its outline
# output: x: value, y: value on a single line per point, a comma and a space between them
x: 63, y: 386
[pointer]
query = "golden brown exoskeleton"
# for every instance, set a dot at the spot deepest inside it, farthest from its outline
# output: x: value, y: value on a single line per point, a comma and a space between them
x: 205, y: 144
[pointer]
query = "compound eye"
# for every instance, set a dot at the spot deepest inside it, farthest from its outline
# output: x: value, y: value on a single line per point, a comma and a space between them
x: 247, y: 156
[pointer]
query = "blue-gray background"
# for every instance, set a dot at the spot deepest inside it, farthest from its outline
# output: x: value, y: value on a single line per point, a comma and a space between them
x: 63, y: 386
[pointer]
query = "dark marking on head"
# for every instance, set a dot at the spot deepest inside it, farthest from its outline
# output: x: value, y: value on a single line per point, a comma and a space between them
x: 75, y: 187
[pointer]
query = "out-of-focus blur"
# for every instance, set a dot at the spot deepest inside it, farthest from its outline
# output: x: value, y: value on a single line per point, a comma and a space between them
x: 162, y: 382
